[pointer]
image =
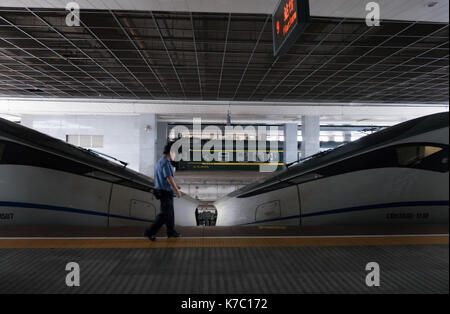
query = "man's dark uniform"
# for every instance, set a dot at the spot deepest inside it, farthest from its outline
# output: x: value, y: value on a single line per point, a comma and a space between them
x: 164, y: 191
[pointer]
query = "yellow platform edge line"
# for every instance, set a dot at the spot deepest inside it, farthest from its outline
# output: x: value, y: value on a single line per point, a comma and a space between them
x: 220, y: 243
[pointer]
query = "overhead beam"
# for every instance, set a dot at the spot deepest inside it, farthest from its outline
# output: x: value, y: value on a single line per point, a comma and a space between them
x: 203, y: 108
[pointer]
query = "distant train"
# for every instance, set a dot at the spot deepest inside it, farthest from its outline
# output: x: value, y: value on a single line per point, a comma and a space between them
x: 232, y: 158
x: 397, y: 175
x: 248, y: 159
x: 45, y: 181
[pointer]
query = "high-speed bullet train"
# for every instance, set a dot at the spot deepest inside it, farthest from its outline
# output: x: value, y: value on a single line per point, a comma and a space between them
x: 397, y: 175
x: 45, y: 181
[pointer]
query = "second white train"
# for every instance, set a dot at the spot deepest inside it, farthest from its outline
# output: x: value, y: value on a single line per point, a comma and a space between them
x: 397, y: 175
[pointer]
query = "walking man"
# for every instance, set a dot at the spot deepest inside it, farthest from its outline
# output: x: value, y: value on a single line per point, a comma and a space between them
x: 165, y: 187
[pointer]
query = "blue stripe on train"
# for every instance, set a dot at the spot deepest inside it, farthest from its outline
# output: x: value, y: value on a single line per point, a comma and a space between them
x: 357, y: 208
x: 321, y: 213
x: 68, y: 209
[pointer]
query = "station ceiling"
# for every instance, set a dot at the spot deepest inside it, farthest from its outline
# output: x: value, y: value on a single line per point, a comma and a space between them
x: 219, y: 56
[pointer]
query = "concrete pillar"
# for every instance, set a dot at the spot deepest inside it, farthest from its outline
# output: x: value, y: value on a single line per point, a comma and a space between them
x: 147, y: 143
x: 310, y: 135
x: 290, y: 142
x: 161, y: 138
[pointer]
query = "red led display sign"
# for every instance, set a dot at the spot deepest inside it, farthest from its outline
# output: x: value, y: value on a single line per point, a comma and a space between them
x: 289, y: 20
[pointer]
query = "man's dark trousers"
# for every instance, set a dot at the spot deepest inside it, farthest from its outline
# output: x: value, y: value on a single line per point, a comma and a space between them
x: 166, y: 216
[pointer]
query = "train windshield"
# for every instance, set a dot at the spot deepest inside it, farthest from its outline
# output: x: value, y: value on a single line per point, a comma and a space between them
x: 17, y: 154
x: 410, y: 155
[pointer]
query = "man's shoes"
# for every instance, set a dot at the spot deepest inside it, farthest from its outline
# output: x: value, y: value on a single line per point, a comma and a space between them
x: 150, y: 237
x: 174, y: 235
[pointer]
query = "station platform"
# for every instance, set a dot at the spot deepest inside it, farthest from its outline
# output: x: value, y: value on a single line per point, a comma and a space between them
x: 232, y: 270
x: 251, y: 260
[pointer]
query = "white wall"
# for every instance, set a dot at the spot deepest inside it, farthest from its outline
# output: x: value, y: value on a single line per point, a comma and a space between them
x: 120, y: 133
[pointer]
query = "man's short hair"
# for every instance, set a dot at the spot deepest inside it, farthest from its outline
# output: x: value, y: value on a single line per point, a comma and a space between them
x: 167, y: 148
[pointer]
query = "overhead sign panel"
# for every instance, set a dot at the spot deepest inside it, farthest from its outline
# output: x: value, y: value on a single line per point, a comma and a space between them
x: 289, y: 20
